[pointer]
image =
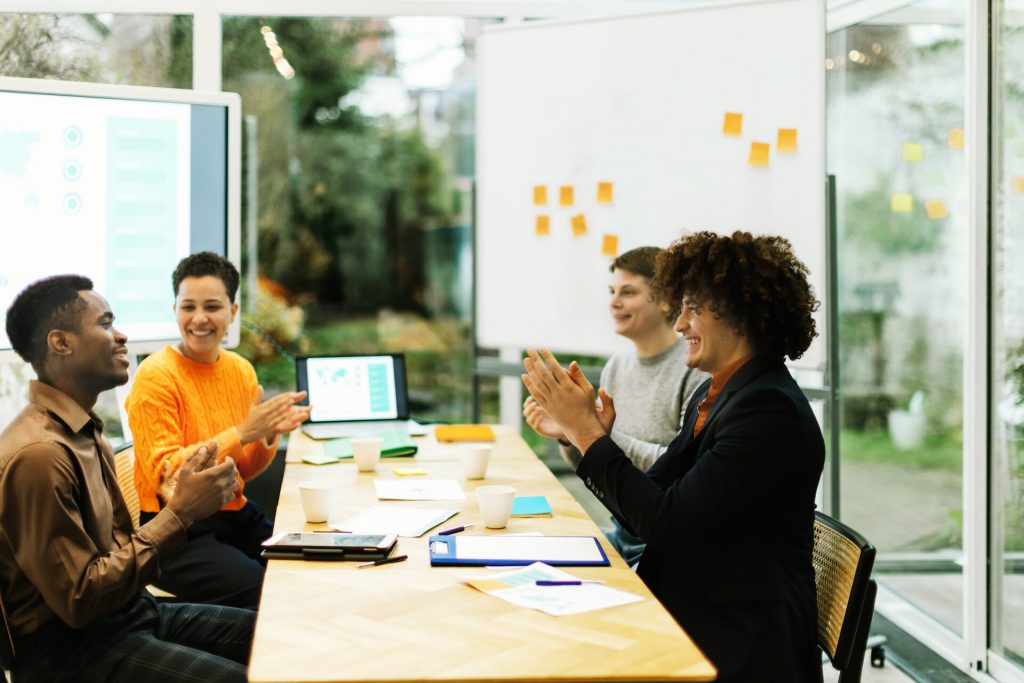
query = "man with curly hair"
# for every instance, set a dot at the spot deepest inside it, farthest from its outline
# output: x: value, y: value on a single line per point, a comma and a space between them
x: 728, y: 510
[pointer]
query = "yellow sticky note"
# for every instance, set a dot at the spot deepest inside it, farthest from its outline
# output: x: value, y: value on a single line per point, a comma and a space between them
x: 408, y: 471
x: 956, y: 138
x: 733, y: 124
x: 543, y: 226
x: 1017, y: 184
x: 758, y: 154
x: 579, y: 225
x: 540, y: 195
x: 912, y: 151
x: 610, y: 245
x: 902, y: 202
x: 604, y: 193
x: 565, y: 195
x: 936, y: 209
x: 787, y: 140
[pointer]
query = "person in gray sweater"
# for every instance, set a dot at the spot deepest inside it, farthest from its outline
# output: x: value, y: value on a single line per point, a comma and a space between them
x: 650, y: 383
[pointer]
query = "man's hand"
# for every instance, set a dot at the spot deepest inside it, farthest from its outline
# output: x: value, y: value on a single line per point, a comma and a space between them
x: 566, y: 397
x: 202, y: 487
x: 277, y: 415
x: 540, y: 421
x: 169, y: 476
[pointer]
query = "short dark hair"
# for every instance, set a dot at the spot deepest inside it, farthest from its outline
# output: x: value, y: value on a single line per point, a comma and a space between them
x: 643, y: 261
x: 207, y: 263
x: 756, y: 284
x: 45, y: 305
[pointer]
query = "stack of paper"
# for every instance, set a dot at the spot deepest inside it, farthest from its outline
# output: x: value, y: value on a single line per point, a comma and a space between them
x: 391, y: 519
x: 418, y: 489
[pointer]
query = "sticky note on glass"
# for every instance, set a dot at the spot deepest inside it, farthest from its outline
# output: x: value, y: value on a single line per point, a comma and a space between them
x: 1017, y: 184
x: 758, y: 154
x: 733, y: 124
x: 787, y: 140
x: 936, y: 209
x: 604, y: 193
x: 540, y: 195
x: 408, y: 471
x: 543, y: 225
x: 956, y: 138
x: 565, y: 195
x: 902, y: 202
x: 579, y: 225
x: 912, y: 151
x: 610, y: 245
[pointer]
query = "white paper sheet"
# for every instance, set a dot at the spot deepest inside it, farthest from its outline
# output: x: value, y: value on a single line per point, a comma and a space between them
x: 540, y: 548
x: 519, y: 588
x: 408, y: 522
x: 418, y: 489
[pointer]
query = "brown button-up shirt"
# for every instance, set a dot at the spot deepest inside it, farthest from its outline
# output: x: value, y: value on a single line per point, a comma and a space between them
x: 67, y: 547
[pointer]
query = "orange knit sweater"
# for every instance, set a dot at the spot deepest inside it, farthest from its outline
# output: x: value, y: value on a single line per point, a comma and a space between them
x: 176, y: 404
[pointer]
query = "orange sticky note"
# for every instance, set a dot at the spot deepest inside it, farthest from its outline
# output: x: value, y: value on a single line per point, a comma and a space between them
x: 579, y: 225
x: 540, y: 195
x: 936, y: 209
x: 758, y: 154
x: 610, y: 245
x: 604, y: 193
x: 902, y: 202
x: 912, y: 151
x: 956, y: 138
x: 733, y: 124
x: 1017, y: 184
x: 787, y: 140
x: 565, y: 195
x: 543, y: 226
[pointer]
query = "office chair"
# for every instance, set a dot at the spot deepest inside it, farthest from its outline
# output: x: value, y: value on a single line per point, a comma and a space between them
x: 124, y: 468
x: 842, y: 561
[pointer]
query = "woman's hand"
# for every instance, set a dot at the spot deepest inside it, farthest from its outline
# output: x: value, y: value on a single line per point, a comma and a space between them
x: 267, y: 419
x: 540, y: 421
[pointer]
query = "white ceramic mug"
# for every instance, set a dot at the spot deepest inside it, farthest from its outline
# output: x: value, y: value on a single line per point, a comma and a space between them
x: 495, y: 505
x: 317, y: 497
x: 474, y: 460
x: 366, y: 452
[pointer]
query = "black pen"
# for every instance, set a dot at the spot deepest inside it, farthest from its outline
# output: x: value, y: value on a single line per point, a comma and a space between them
x: 386, y: 560
x: 455, y: 530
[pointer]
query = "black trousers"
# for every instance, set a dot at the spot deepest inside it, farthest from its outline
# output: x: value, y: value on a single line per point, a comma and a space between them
x: 221, y: 562
x: 143, y: 641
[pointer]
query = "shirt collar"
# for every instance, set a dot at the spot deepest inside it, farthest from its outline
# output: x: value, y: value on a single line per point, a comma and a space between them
x: 63, y: 406
x: 722, y: 377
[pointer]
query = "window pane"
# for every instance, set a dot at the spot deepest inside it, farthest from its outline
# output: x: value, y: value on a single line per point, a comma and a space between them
x: 361, y: 200
x: 154, y: 50
x: 895, y: 118
x: 1007, y: 471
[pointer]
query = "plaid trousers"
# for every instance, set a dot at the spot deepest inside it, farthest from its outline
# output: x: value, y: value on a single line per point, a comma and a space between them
x: 144, y: 641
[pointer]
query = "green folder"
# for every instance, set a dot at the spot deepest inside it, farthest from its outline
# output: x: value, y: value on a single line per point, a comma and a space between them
x: 395, y: 444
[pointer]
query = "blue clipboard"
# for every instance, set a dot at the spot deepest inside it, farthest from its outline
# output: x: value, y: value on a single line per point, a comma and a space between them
x: 474, y: 550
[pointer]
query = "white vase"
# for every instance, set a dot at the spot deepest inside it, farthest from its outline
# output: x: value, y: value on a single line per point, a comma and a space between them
x: 906, y: 429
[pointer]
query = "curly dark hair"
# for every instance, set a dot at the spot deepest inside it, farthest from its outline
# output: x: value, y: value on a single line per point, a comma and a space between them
x: 756, y: 284
x: 207, y: 263
x: 48, y: 304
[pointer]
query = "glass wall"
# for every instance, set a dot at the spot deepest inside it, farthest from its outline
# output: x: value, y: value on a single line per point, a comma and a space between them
x: 895, y: 114
x: 1007, y: 471
x: 361, y: 133
x: 149, y: 49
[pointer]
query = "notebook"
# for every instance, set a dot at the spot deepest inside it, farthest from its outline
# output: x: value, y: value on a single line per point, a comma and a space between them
x: 464, y: 433
x: 358, y: 395
x: 394, y: 444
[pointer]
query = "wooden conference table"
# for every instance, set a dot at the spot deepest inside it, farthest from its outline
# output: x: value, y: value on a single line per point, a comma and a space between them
x: 327, y: 621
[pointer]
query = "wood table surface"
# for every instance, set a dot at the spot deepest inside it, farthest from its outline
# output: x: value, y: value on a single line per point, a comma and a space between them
x: 408, y: 621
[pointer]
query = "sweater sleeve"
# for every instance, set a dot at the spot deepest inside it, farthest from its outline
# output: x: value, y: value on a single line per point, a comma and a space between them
x: 252, y: 458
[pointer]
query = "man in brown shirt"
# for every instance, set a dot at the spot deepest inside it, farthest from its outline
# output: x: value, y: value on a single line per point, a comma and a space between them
x: 73, y: 570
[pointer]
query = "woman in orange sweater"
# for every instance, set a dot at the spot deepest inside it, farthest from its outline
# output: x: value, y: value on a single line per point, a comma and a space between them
x: 196, y: 392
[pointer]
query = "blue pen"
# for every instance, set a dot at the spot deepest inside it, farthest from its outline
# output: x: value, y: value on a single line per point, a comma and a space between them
x: 564, y: 583
x: 455, y: 530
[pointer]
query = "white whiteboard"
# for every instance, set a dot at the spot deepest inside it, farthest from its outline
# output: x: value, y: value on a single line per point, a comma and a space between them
x: 639, y: 101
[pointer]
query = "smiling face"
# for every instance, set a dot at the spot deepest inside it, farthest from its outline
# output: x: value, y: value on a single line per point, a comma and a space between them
x: 99, y: 358
x: 712, y: 343
x: 635, y: 313
x: 203, y: 311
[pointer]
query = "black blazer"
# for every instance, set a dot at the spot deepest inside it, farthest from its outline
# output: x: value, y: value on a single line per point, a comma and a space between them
x: 728, y: 518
